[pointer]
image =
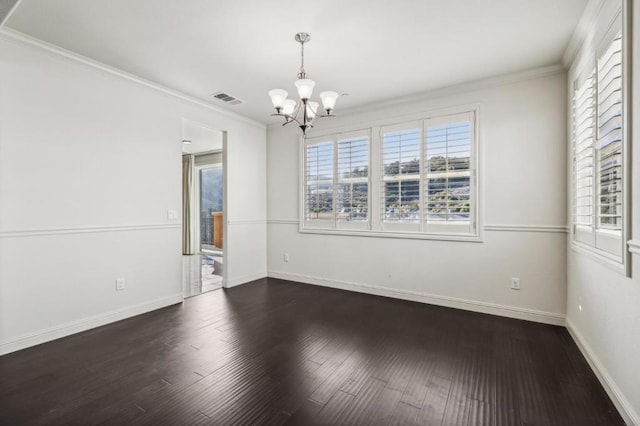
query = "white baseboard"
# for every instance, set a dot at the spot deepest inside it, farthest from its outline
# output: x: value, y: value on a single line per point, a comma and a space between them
x: 451, y: 302
x: 62, y: 330
x: 245, y: 279
x: 623, y: 405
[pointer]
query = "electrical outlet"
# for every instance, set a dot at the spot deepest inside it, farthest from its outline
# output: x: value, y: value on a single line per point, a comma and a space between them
x: 286, y: 257
x: 119, y: 284
x: 515, y: 283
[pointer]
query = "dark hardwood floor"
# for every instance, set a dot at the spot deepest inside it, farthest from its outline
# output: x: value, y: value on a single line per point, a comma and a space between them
x: 275, y: 352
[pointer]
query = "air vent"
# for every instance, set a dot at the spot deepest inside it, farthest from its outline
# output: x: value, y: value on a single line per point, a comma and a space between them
x: 227, y: 98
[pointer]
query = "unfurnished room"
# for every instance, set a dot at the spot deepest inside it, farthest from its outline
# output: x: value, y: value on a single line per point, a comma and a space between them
x: 250, y: 212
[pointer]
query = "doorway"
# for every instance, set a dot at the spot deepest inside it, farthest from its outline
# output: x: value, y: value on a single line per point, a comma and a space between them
x: 203, y: 209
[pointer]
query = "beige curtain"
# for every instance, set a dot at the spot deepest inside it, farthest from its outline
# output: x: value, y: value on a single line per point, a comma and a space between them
x: 187, y: 184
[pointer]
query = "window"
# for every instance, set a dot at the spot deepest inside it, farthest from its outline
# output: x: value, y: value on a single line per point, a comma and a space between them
x: 401, y: 170
x: 337, y: 185
x: 423, y: 182
x: 583, y: 152
x: 353, y: 180
x: 319, y: 182
x: 449, y: 174
x: 609, y: 145
x: 598, y: 149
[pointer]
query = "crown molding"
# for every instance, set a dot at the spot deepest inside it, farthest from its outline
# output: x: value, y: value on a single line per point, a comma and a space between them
x: 469, y: 86
x: 11, y: 11
x: 24, y: 39
x: 580, y: 33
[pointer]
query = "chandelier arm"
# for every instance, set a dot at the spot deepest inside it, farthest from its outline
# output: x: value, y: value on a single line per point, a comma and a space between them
x: 290, y: 119
x: 297, y: 111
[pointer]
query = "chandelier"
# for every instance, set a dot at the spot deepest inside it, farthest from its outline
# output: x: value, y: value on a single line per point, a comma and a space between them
x: 304, y: 112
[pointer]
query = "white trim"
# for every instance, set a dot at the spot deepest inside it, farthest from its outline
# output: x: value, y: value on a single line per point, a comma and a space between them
x: 634, y: 246
x: 412, y: 235
x: 247, y: 222
x: 599, y: 256
x: 73, y: 327
x: 623, y: 405
x: 21, y: 233
x: 587, y: 21
x: 469, y: 86
x: 561, y: 229
x: 245, y: 279
x: 10, y: 13
x: 16, y: 36
x: 283, y: 221
x: 451, y: 302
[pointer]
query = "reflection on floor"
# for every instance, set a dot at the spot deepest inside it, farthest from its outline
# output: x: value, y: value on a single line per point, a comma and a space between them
x: 201, y: 273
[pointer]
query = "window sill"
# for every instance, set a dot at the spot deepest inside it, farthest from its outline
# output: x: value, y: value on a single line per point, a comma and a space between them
x: 611, y: 261
x: 401, y: 235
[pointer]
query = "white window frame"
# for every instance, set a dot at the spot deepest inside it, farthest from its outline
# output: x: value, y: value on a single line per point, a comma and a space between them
x: 606, y: 246
x: 334, y: 223
x: 375, y: 226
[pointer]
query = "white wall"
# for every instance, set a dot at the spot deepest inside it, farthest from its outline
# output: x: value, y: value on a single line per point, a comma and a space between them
x: 79, y: 207
x: 523, y: 138
x: 603, y: 306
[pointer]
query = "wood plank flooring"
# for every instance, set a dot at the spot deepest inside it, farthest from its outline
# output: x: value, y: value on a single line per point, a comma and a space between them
x: 275, y: 352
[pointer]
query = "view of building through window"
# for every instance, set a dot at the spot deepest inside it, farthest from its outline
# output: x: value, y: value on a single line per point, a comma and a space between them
x: 211, y: 199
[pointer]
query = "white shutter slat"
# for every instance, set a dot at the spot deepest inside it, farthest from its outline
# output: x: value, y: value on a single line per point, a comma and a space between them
x: 400, y: 187
x: 583, y: 155
x: 609, y: 133
x: 352, y: 189
x: 319, y: 182
x: 448, y: 172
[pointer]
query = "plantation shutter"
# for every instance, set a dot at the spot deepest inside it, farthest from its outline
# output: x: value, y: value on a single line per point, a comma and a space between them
x: 609, y: 145
x: 352, y: 181
x: 401, y: 175
x: 583, y: 157
x: 449, y: 173
x: 319, y: 191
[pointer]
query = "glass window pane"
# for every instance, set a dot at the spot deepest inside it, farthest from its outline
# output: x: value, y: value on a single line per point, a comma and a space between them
x: 319, y: 188
x: 353, y: 183
x: 401, y: 176
x: 448, y: 154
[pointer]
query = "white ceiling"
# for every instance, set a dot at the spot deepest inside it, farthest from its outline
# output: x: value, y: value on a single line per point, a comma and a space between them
x: 372, y: 49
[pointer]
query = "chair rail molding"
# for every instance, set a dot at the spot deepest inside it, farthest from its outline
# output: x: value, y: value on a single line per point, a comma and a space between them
x: 20, y: 233
x: 634, y: 246
x: 561, y: 229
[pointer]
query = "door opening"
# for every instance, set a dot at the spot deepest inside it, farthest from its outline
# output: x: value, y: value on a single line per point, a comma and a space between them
x: 203, y: 209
